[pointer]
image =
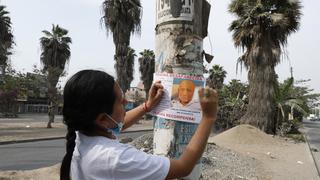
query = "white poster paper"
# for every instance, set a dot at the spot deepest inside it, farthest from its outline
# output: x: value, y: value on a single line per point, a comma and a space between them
x: 180, y: 101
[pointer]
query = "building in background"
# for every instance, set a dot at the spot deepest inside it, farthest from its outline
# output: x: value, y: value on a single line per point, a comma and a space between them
x: 135, y: 96
x: 36, y: 98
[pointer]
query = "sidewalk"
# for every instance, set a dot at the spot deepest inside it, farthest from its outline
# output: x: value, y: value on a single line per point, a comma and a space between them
x: 312, y: 135
x: 27, y: 129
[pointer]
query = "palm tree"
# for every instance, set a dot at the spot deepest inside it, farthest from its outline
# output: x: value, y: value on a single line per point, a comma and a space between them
x: 261, y: 31
x: 216, y: 77
x: 127, y: 66
x: 287, y: 102
x: 122, y: 17
x: 146, y: 68
x: 6, y: 38
x: 55, y: 47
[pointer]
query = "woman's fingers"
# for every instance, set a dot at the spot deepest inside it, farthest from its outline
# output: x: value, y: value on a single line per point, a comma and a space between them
x: 155, y: 87
x: 209, y: 101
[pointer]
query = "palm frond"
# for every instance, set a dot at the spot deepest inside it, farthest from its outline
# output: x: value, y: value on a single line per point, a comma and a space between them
x: 55, y: 47
x: 258, y: 21
x: 6, y: 36
x: 122, y: 18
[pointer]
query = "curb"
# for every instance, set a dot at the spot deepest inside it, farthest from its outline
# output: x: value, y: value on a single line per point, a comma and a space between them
x: 59, y: 137
x: 30, y: 140
x: 311, y: 152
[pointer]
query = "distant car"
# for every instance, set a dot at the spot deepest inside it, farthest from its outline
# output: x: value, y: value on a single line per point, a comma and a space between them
x: 315, y: 119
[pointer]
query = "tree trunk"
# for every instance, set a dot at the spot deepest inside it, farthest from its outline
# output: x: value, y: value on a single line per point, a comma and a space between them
x: 121, y: 51
x: 123, y: 67
x: 278, y: 121
x: 2, y: 73
x: 179, y: 40
x: 53, y: 78
x: 260, y: 111
x: 50, y: 122
x: 51, y: 110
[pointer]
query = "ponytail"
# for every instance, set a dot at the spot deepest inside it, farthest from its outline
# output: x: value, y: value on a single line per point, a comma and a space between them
x: 66, y: 162
x: 86, y: 94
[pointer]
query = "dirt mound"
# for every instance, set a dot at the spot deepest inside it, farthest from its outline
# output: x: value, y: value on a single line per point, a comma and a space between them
x: 243, y: 134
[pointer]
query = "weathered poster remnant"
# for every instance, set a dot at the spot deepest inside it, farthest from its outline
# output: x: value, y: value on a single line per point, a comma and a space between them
x: 179, y: 10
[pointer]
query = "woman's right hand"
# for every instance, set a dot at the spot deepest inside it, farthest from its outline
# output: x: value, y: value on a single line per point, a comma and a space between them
x: 209, y: 102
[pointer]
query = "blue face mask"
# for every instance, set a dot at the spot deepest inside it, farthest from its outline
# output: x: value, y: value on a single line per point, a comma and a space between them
x: 118, y: 128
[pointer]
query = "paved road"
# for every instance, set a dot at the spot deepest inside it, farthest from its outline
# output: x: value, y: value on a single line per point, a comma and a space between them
x: 26, y: 156
x: 312, y: 130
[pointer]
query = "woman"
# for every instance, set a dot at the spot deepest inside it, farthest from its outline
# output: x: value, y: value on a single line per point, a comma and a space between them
x: 94, y: 111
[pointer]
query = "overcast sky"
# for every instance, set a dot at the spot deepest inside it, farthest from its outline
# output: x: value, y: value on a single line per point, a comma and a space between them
x: 92, y: 49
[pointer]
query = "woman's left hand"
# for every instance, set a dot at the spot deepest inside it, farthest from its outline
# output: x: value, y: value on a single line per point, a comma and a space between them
x: 155, y: 94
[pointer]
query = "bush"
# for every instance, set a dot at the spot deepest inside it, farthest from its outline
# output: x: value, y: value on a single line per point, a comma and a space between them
x: 289, y: 127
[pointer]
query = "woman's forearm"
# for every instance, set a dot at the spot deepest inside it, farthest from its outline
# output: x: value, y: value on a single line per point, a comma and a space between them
x: 133, y: 116
x: 198, y: 142
x: 183, y: 166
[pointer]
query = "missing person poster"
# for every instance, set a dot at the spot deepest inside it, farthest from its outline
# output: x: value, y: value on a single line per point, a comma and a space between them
x: 180, y: 101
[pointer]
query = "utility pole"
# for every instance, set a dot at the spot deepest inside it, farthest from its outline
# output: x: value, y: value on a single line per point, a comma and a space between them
x: 181, y: 26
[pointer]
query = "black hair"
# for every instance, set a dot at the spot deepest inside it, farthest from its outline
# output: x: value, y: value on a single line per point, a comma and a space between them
x: 87, y: 94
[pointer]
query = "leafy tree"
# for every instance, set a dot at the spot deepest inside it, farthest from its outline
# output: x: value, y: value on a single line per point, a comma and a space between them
x: 146, y: 68
x: 6, y: 39
x: 285, y: 104
x: 14, y: 86
x: 302, y: 91
x: 232, y: 104
x: 261, y: 30
x: 292, y: 101
x: 37, y: 83
x: 122, y: 18
x: 55, y: 46
x: 216, y: 77
x: 8, y: 95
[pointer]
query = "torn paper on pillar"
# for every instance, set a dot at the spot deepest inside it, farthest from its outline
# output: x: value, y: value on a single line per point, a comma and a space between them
x: 180, y: 101
x: 174, y: 10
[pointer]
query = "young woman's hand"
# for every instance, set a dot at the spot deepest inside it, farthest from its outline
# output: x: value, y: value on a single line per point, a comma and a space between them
x: 155, y: 95
x: 209, y: 102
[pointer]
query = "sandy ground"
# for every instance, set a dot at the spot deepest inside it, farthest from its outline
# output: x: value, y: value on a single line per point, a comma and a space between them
x: 48, y: 173
x: 280, y: 159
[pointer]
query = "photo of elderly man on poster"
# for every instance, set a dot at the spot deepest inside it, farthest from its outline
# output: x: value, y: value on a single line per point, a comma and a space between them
x: 184, y: 94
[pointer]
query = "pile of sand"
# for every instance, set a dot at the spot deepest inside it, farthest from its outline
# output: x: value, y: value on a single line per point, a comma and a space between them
x: 280, y: 159
x: 244, y: 135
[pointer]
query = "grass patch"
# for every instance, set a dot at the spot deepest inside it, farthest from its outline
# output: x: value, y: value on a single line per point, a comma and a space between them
x: 298, y: 138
